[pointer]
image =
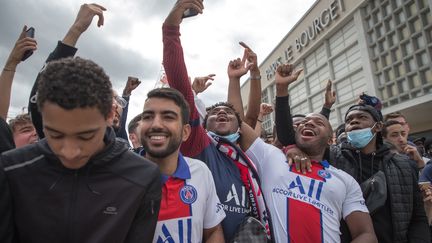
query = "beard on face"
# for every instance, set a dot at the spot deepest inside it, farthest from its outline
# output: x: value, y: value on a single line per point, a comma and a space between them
x: 173, y: 144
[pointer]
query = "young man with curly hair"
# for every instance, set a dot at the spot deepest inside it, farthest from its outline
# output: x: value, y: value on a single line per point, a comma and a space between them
x: 79, y: 184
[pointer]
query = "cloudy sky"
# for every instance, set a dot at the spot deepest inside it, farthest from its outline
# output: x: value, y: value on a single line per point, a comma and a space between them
x: 129, y: 43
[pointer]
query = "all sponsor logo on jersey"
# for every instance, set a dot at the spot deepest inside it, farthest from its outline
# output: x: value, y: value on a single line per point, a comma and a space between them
x: 307, y: 190
x: 236, y: 202
x: 172, y: 232
x: 188, y: 194
x: 324, y: 174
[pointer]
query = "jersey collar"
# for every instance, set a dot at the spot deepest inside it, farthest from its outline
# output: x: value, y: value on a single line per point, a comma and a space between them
x: 182, y: 171
x: 324, y: 163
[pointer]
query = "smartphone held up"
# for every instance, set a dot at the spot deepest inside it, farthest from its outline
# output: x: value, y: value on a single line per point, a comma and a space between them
x: 189, y: 13
x: 29, y: 33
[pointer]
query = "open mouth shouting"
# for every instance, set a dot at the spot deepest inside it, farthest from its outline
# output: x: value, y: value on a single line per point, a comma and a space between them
x: 308, y: 132
x: 222, y: 118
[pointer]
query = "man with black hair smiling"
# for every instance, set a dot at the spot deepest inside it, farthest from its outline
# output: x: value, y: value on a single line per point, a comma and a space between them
x: 79, y: 184
x: 190, y: 209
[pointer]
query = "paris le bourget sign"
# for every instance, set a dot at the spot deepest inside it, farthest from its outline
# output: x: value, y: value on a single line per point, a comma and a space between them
x: 318, y: 25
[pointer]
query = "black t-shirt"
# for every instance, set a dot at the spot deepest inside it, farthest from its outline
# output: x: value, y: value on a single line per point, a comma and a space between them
x: 6, y: 137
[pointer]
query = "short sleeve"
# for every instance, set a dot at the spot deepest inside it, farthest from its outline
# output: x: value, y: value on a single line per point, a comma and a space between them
x: 214, y: 213
x: 354, y: 200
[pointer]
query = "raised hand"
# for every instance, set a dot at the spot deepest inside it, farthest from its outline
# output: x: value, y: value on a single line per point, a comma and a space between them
x: 83, y: 21
x: 238, y: 67
x: 131, y: 84
x: 413, y: 153
x: 202, y: 83
x: 86, y: 14
x: 251, y: 57
x: 330, y: 96
x: 265, y: 109
x: 285, y: 74
x: 22, y: 45
x: 175, y: 17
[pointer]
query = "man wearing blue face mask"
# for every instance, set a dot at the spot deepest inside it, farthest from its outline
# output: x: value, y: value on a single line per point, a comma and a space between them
x: 397, y: 213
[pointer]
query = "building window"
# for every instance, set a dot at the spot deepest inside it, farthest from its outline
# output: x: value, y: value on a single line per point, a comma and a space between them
x: 404, y: 49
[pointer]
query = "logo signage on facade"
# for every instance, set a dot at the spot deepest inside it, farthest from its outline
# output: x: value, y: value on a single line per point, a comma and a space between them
x: 318, y: 25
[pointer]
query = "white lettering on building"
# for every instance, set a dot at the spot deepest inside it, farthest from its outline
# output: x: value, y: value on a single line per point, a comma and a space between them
x: 318, y: 25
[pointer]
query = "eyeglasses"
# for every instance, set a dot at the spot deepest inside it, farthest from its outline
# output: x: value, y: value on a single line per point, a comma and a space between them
x: 120, y: 101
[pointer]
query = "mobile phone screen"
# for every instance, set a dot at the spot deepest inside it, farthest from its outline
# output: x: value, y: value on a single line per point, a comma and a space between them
x: 29, y: 33
x: 189, y: 13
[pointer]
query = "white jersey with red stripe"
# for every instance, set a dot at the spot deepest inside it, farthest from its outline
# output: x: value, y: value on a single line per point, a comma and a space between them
x: 189, y: 204
x: 305, y: 207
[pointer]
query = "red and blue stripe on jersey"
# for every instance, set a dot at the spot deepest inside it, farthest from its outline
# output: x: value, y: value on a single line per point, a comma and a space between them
x: 304, y: 221
x: 172, y: 206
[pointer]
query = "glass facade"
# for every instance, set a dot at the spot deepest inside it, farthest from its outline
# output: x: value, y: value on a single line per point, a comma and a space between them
x: 399, y: 39
x: 384, y: 47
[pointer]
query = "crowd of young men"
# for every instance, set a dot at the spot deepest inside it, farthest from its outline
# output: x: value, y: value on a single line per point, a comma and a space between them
x: 193, y: 175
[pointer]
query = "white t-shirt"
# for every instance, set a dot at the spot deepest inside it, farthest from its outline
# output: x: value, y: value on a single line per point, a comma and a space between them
x: 304, y: 208
x: 189, y: 204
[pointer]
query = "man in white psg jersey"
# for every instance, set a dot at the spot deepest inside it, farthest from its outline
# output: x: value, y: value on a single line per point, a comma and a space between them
x: 308, y: 207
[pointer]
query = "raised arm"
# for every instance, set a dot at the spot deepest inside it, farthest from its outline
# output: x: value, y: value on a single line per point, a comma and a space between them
x: 236, y: 69
x: 199, y: 85
x: 7, y: 74
x: 329, y: 100
x: 131, y: 84
x: 176, y: 72
x: 65, y: 48
x: 265, y: 109
x: 285, y: 75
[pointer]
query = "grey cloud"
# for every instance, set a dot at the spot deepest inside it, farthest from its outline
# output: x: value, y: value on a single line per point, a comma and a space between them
x: 51, y: 22
x: 117, y: 62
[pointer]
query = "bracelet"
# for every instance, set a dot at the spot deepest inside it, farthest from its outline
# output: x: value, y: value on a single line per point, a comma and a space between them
x: 259, y: 120
x: 255, y: 77
x: 8, y: 70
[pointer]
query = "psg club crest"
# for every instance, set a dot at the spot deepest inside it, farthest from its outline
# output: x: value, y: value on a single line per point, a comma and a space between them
x: 324, y: 174
x: 188, y: 194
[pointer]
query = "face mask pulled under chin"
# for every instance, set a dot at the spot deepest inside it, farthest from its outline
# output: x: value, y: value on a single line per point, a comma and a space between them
x: 233, y: 137
x: 360, y: 138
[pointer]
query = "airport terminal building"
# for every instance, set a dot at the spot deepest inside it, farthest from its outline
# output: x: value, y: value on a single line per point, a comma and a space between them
x: 380, y: 47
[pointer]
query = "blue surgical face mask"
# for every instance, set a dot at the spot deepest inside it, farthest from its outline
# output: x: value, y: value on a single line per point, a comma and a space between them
x: 360, y: 138
x: 233, y: 137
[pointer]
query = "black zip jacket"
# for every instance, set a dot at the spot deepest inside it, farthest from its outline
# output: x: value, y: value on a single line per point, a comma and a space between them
x: 408, y: 218
x: 115, y: 197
